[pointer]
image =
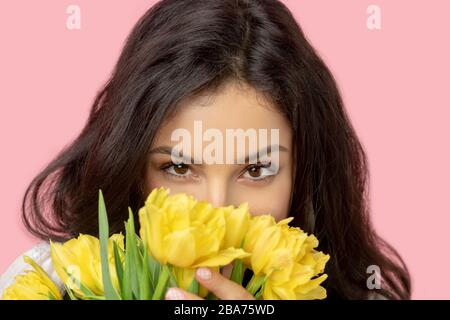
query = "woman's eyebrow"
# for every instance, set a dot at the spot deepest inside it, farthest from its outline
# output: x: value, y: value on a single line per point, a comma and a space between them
x: 186, y: 159
x: 168, y: 150
x: 265, y: 151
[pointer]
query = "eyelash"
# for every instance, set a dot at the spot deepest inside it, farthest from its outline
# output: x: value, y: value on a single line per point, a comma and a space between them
x: 165, y: 167
x: 261, y: 166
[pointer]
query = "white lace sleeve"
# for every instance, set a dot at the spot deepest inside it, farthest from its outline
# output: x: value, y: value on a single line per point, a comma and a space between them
x: 41, y: 254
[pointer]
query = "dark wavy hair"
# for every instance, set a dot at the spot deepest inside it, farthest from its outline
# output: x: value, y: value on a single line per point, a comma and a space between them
x: 181, y: 48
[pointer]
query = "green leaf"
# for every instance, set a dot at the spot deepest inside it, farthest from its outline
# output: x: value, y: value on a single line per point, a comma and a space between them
x: 154, y: 268
x: 194, y: 286
x: 135, y: 260
x: 162, y: 283
x: 134, y: 242
x: 127, y: 293
x: 119, y: 265
x: 140, y: 246
x: 145, y: 279
x: 110, y: 292
x: 172, y: 279
x: 132, y: 257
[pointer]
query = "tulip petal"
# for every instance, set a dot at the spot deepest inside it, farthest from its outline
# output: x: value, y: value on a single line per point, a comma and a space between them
x: 180, y: 248
x: 222, y: 258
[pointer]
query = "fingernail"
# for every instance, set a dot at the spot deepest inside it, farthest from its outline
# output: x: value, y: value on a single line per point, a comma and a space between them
x: 204, y: 273
x: 174, y: 294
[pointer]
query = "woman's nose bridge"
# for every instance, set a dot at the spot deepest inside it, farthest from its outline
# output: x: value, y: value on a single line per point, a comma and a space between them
x: 217, y: 191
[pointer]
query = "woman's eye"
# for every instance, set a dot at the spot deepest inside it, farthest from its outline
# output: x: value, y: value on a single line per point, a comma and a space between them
x: 259, y: 172
x: 179, y: 170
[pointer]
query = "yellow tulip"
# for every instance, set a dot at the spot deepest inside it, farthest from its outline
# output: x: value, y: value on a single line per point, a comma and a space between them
x: 237, y: 222
x: 32, y: 285
x: 80, y: 258
x: 295, y: 283
x: 257, y: 225
x: 286, y: 255
x: 186, y: 233
x: 269, y: 244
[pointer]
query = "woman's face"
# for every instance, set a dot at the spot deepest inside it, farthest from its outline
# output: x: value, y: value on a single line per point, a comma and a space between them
x: 264, y: 185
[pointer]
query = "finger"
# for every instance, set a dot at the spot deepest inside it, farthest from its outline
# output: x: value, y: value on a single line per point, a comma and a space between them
x: 180, y: 294
x: 222, y: 287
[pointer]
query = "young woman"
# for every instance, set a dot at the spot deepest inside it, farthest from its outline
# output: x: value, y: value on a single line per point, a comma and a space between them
x: 230, y: 64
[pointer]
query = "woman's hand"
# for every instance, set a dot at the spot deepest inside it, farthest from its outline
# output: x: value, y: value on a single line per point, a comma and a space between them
x: 223, y: 288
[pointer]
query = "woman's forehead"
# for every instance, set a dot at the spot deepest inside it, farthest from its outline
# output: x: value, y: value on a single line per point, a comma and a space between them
x: 232, y: 108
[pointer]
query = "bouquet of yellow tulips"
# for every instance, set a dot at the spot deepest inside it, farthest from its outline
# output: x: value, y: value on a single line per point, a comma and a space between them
x: 177, y: 235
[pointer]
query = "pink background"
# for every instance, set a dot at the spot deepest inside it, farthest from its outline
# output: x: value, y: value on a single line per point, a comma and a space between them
x: 394, y: 81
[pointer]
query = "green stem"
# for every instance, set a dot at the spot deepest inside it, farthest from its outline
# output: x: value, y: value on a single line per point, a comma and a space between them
x: 237, y: 273
x: 255, y: 283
